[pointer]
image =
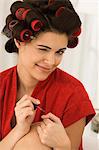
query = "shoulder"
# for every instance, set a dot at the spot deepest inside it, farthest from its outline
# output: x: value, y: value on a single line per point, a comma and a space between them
x: 65, y: 80
x: 7, y: 73
x: 79, y: 103
x: 71, y: 86
x: 65, y: 86
x: 7, y: 81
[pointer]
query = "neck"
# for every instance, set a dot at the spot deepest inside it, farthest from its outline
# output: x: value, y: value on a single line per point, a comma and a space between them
x: 26, y: 82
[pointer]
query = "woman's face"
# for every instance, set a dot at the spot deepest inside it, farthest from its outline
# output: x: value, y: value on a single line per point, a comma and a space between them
x: 40, y: 57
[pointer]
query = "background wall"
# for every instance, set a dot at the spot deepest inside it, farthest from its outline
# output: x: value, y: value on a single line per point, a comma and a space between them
x: 6, y: 60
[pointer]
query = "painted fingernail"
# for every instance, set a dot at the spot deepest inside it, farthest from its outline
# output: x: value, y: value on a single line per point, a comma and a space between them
x: 38, y: 102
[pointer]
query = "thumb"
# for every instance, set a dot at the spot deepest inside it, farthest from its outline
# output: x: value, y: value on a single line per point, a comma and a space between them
x: 52, y: 117
x: 35, y: 103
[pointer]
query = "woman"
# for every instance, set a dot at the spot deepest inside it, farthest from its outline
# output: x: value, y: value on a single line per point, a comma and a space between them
x: 41, y: 106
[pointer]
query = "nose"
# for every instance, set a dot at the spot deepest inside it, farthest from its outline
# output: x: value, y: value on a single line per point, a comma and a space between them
x: 50, y: 59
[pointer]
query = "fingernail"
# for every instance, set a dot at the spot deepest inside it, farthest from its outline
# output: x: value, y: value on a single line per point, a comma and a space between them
x: 42, y: 116
x: 38, y: 102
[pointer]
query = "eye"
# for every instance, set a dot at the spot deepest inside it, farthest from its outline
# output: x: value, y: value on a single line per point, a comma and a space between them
x: 60, y: 52
x: 43, y: 49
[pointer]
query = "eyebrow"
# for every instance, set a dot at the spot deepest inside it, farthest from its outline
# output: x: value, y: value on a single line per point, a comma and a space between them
x: 50, y: 47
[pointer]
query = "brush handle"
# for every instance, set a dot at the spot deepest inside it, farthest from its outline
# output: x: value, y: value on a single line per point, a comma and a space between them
x: 35, y: 105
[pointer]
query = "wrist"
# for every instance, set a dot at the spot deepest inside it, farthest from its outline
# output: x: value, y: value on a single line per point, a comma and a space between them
x: 11, y: 138
x: 21, y: 131
x: 65, y: 146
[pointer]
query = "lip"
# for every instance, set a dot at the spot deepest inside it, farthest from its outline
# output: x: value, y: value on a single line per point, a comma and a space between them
x: 43, y: 68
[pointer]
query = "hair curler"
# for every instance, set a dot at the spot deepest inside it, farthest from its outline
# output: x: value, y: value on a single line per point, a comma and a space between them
x: 30, y: 16
x: 19, y: 31
x: 73, y: 42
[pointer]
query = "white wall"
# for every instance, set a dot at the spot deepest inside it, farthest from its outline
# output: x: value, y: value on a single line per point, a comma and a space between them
x: 6, y: 60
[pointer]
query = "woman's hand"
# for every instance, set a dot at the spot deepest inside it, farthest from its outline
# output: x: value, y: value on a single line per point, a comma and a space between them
x: 25, y: 113
x: 52, y: 132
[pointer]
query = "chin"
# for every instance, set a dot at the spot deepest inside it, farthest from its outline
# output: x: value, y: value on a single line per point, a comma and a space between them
x: 42, y: 78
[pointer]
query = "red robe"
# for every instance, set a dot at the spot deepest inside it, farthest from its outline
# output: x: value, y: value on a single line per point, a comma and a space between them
x: 60, y: 93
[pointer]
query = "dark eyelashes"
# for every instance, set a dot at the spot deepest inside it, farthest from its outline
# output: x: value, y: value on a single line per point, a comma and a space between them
x: 58, y: 52
x: 43, y: 49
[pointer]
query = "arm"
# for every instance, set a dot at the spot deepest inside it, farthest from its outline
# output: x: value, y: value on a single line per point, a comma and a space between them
x: 31, y: 141
x: 75, y: 132
x: 10, y: 140
x: 25, y: 114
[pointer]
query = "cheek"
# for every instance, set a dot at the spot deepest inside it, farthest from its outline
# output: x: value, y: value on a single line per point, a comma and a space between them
x: 25, y: 58
x: 58, y: 60
x: 32, y: 54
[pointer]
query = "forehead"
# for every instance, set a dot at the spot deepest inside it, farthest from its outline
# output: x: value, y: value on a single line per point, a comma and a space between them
x: 51, y: 39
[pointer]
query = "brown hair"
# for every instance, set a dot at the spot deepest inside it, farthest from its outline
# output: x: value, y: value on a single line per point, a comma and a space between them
x: 30, y: 17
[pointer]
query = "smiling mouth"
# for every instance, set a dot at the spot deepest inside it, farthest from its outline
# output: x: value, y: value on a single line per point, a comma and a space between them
x: 42, y: 68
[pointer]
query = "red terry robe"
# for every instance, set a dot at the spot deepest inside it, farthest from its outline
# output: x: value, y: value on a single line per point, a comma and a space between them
x: 60, y: 93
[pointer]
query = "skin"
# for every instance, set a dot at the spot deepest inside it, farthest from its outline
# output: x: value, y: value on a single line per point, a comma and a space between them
x: 29, y: 142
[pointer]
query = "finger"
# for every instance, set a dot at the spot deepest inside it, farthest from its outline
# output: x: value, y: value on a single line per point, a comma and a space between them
x: 23, y: 116
x: 40, y: 131
x: 43, y: 125
x: 26, y: 97
x: 27, y: 114
x: 34, y: 100
x: 47, y: 122
x: 52, y: 117
x: 22, y: 99
x: 26, y: 103
x: 24, y: 111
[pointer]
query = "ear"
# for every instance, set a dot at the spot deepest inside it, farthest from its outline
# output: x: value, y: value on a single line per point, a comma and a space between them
x: 18, y: 43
